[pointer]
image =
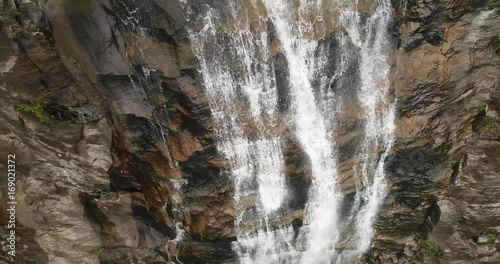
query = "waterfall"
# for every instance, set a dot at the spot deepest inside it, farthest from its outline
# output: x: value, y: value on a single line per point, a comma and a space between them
x: 238, y: 75
x: 309, y: 125
x: 379, y: 120
x: 237, y: 43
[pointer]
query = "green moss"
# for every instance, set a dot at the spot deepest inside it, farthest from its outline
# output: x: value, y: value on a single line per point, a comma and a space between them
x: 491, y: 245
x: 487, y: 128
x: 80, y: 120
x: 39, y: 108
x: 495, y: 44
x: 97, y: 252
x: 75, y: 63
x: 492, y: 239
x: 450, y: 163
x: 497, y: 159
x: 481, y: 108
x: 430, y: 246
x: 122, y: 250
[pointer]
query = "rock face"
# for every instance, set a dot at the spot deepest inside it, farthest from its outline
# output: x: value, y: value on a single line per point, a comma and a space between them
x: 116, y: 148
x: 443, y: 204
x: 109, y: 121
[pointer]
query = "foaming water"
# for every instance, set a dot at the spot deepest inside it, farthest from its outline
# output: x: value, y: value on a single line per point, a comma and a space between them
x: 237, y: 44
x: 235, y: 62
x: 321, y: 216
x: 374, y: 96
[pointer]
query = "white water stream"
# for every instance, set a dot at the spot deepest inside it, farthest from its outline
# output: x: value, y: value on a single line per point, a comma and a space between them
x: 236, y: 46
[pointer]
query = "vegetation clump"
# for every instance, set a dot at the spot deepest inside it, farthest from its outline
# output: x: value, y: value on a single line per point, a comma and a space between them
x: 487, y: 128
x: 75, y: 63
x: 97, y: 252
x: 492, y: 241
x: 39, y: 108
x: 450, y: 163
x: 482, y: 108
x: 431, y: 247
x: 495, y: 44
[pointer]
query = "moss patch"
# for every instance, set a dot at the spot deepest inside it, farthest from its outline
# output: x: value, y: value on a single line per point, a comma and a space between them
x: 110, y: 253
x: 450, y: 163
x: 431, y: 247
x: 97, y: 252
x: 495, y: 44
x: 39, y: 108
x: 492, y: 240
x: 489, y: 128
x: 482, y: 108
x: 75, y: 63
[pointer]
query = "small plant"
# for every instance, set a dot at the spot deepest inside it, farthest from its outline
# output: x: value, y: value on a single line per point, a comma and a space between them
x: 482, y: 108
x: 489, y: 125
x: 487, y: 128
x: 39, y: 109
x: 97, y: 252
x: 491, y: 245
x: 122, y: 250
x: 110, y: 252
x: 430, y: 246
x: 492, y: 239
x: 80, y: 120
x: 449, y: 163
x: 75, y: 63
x: 495, y: 44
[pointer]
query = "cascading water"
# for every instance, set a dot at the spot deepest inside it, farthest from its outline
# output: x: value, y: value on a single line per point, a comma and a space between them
x: 239, y: 79
x: 237, y: 44
x: 321, y: 218
x: 379, y: 120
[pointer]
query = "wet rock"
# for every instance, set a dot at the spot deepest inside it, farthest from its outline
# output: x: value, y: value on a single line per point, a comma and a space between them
x: 442, y: 107
x: 131, y: 156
